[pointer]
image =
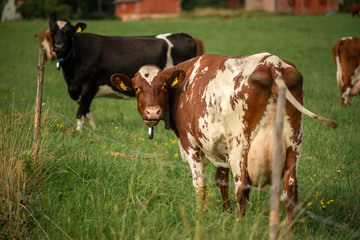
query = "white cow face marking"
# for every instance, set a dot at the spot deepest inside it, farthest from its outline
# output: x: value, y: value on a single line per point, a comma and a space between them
x: 61, y: 24
x: 149, y: 73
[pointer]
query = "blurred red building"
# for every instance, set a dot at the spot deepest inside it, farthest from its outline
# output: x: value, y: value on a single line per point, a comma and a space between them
x: 293, y: 6
x: 137, y: 9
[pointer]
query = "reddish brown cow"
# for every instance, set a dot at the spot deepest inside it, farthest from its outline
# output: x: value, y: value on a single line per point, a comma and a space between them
x: 346, y: 55
x: 222, y: 111
x: 46, y: 43
x: 354, y: 9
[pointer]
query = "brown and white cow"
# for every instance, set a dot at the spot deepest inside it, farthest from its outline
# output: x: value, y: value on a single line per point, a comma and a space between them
x: 222, y: 111
x: 346, y: 55
x: 46, y: 43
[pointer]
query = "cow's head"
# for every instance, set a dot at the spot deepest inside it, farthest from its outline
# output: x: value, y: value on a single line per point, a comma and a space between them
x: 62, y: 32
x: 151, y: 86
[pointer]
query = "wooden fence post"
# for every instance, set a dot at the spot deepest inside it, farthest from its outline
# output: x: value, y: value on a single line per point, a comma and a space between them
x: 276, y: 168
x: 37, y: 121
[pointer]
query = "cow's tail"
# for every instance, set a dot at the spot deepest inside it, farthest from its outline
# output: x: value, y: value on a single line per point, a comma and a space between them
x: 279, y: 81
x: 199, y: 47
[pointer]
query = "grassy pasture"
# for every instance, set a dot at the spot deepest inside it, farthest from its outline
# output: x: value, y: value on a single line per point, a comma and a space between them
x: 88, y: 187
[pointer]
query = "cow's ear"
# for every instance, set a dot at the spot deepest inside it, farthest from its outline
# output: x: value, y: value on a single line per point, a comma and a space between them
x: 176, y: 77
x: 121, y: 81
x: 52, y: 21
x: 79, y: 27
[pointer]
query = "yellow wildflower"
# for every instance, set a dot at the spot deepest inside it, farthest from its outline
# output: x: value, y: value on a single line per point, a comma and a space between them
x: 339, y: 171
x: 175, y: 155
x: 165, y: 144
x: 116, y: 127
x: 309, y: 204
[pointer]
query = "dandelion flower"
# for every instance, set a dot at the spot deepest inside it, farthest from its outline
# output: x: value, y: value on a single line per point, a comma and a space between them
x: 165, y: 144
x: 175, y: 155
x: 116, y: 127
x: 339, y: 171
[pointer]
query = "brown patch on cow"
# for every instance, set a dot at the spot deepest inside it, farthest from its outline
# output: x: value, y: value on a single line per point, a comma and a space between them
x: 222, y: 67
x: 264, y: 58
x: 292, y: 77
x: 146, y: 75
x: 262, y: 75
x: 237, y: 178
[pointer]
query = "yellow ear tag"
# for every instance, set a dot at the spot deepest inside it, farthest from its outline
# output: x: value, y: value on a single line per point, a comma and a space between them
x: 174, y: 82
x: 122, y: 85
x: 78, y: 30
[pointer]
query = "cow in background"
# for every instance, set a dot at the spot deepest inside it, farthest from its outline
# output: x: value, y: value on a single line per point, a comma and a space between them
x: 354, y: 9
x: 222, y: 111
x: 346, y: 55
x: 88, y: 60
x: 46, y: 43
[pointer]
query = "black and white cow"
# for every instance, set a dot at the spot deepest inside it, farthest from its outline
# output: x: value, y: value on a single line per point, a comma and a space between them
x: 88, y: 60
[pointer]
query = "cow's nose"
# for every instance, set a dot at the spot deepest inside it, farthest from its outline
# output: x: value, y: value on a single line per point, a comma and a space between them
x: 153, y: 113
x: 58, y: 47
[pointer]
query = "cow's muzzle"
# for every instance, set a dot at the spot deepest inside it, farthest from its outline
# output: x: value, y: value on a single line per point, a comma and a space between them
x: 152, y: 115
x: 59, y: 47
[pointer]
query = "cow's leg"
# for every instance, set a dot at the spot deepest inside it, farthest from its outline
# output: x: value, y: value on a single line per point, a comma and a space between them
x: 191, y: 155
x: 242, y: 185
x: 84, y: 111
x: 90, y: 118
x: 222, y: 182
x: 290, y: 186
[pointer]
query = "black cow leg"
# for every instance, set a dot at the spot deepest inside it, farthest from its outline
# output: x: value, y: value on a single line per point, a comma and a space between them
x: 83, y: 112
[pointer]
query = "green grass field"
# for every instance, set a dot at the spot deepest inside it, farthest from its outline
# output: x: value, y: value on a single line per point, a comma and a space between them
x: 88, y: 186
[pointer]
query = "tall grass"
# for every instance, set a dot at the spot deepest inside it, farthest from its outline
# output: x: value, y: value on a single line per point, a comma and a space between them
x: 18, y: 173
x: 89, y: 187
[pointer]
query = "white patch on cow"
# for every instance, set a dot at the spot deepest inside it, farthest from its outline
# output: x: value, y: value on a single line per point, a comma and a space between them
x: 192, y: 75
x: 148, y: 73
x: 339, y: 79
x: 291, y: 181
x: 344, y: 38
x: 80, y: 123
x: 61, y: 24
x: 90, y: 118
x: 346, y: 96
x: 107, y: 91
x: 46, y: 46
x: 284, y: 196
x: 169, y: 60
x: 356, y: 77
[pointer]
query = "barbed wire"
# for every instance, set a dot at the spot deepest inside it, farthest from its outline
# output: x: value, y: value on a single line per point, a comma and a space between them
x: 312, y: 215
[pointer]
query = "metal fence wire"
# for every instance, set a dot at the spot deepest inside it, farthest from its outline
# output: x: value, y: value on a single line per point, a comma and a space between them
x: 312, y: 215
